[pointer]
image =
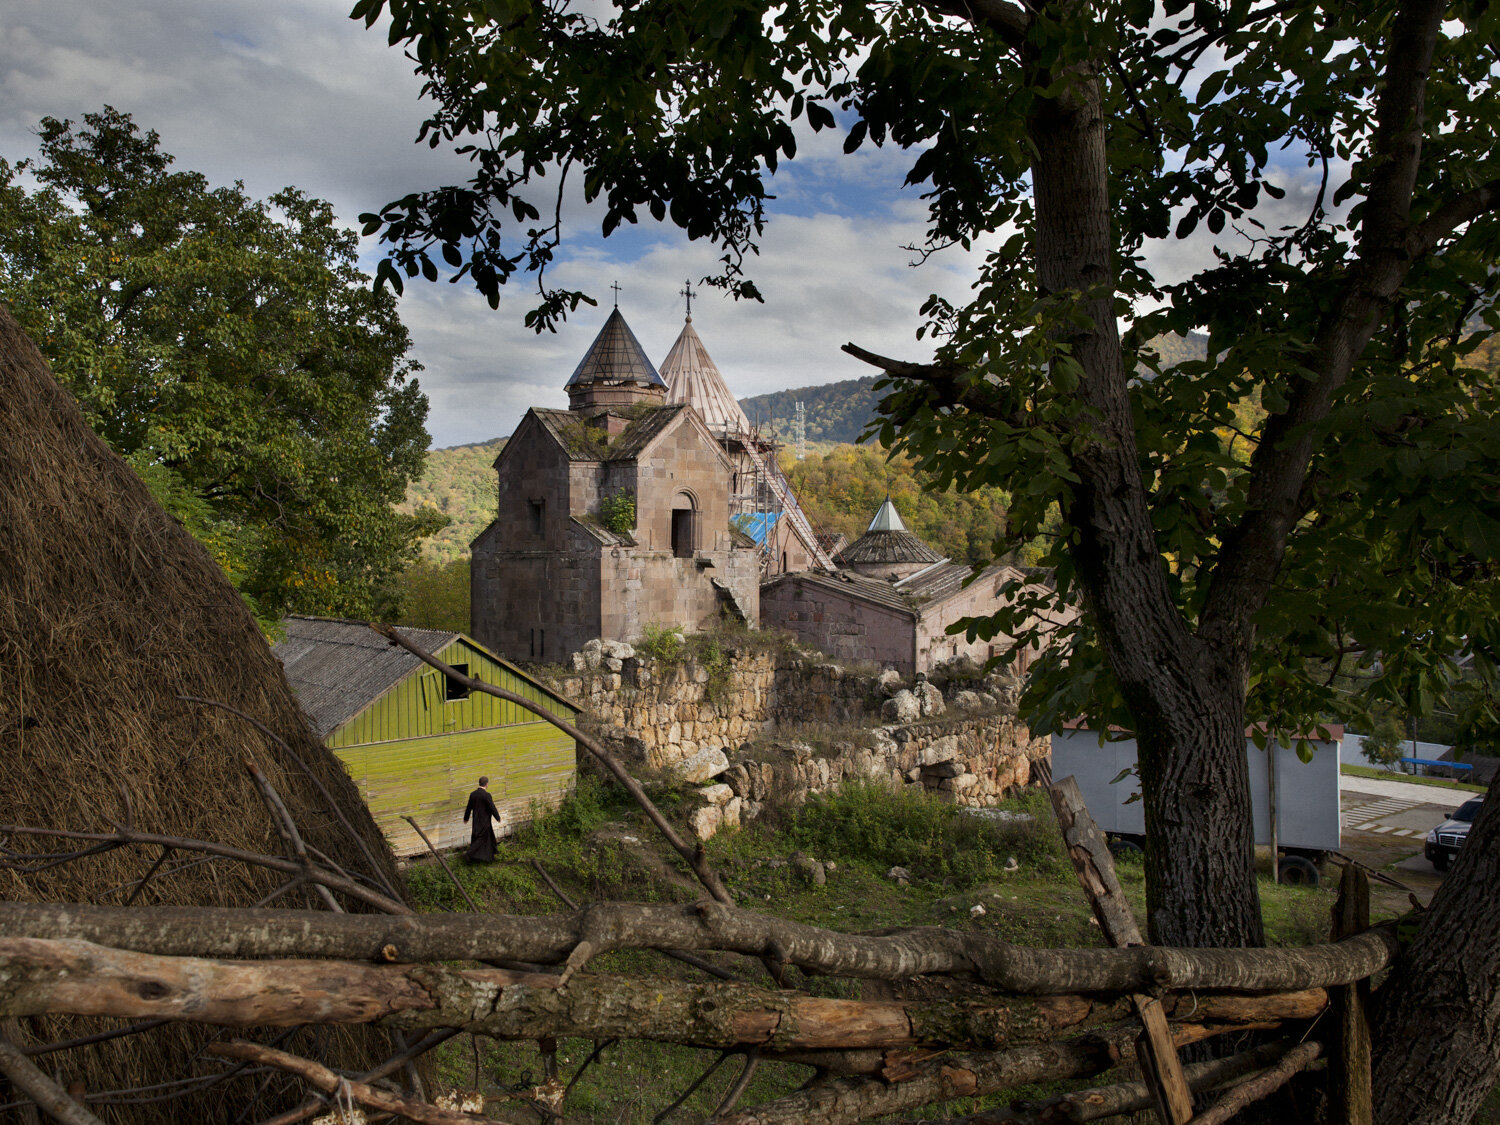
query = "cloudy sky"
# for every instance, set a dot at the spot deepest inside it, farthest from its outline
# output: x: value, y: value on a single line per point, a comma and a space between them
x: 292, y: 92
x: 279, y: 92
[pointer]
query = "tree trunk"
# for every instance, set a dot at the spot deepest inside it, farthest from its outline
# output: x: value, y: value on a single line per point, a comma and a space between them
x: 1186, y: 697
x: 1437, y: 1020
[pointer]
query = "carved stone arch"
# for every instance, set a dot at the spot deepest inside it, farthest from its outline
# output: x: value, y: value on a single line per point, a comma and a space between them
x: 685, y: 529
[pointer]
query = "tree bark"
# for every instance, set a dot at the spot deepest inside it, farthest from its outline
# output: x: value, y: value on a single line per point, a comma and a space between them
x: 40, y: 977
x: 210, y: 932
x: 1437, y: 1019
x: 1187, y: 698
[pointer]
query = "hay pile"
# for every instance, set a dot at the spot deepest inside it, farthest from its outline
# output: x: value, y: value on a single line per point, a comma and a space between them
x: 108, y: 612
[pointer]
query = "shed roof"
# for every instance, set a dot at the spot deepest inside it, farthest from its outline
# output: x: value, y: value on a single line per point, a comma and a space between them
x: 692, y: 377
x: 339, y: 667
x: 615, y: 356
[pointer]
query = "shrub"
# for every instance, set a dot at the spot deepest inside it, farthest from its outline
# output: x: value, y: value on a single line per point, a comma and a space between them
x: 660, y: 644
x: 1386, y: 743
x: 931, y: 838
x: 617, y: 512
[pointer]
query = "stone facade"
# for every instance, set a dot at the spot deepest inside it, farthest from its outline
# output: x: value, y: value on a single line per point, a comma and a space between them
x: 548, y: 575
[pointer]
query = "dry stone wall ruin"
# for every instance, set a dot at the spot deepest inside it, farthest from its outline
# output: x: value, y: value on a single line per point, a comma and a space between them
x: 776, y: 726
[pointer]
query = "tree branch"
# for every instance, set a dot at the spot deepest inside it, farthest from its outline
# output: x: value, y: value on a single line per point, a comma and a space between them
x: 331, y: 1083
x: 1008, y: 21
x: 41, y: 977
x: 948, y: 380
x: 25, y: 1076
x: 1423, y: 237
x: 223, y: 932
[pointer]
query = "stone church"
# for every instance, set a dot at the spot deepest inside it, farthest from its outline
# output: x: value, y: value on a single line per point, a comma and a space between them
x: 563, y: 562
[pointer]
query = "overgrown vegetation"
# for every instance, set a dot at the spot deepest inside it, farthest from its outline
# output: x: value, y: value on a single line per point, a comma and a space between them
x: 617, y: 512
x: 932, y: 839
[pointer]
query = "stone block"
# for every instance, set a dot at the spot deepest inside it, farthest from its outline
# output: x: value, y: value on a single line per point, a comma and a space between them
x: 701, y: 766
x: 944, y: 749
x: 929, y: 700
x: 903, y: 707
x: 952, y: 768
x: 706, y: 822
x: 719, y: 794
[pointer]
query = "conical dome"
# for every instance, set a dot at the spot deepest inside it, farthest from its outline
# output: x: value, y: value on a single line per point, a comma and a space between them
x: 616, y: 356
x: 887, y: 549
x: 615, y: 373
x: 692, y: 378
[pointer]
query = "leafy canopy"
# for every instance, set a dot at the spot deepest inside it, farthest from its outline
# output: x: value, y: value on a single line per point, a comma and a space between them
x: 1264, y: 132
x: 232, y: 351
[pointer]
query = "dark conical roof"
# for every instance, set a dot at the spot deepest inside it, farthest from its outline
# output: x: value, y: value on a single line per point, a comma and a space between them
x: 888, y: 541
x: 616, y: 356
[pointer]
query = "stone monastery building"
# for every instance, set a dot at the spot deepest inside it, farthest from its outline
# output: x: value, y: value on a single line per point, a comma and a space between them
x: 714, y: 528
x: 562, y: 563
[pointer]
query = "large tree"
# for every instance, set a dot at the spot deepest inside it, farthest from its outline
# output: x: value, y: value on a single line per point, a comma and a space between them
x: 1321, y: 488
x: 231, y: 349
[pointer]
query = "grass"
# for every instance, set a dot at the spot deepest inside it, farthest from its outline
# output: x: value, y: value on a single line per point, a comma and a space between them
x: 1410, y: 779
x: 957, y: 861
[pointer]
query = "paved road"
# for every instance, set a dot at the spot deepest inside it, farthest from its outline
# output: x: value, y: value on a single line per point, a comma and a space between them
x: 1404, y: 790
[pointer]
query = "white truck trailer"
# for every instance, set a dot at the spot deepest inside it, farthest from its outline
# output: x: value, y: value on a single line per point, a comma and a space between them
x: 1295, y: 803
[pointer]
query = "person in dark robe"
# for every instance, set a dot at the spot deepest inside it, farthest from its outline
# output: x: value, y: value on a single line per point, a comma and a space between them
x: 481, y: 807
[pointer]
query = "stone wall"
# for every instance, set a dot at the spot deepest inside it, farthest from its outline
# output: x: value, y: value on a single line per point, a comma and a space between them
x: 676, y: 710
x: 781, y: 725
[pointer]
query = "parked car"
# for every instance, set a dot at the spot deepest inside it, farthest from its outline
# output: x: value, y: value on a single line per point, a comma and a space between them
x: 1444, y: 841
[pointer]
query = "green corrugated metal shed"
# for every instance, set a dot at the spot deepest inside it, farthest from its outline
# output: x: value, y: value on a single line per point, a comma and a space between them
x: 416, y: 744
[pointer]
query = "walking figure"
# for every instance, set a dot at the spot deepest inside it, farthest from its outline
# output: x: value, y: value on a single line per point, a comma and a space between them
x: 481, y: 807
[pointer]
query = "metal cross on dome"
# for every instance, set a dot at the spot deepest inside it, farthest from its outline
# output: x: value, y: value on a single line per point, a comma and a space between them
x: 687, y: 291
x: 616, y: 288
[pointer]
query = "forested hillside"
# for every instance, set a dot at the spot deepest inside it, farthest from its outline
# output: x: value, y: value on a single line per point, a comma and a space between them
x: 841, y: 490
x: 458, y: 482
x: 836, y: 412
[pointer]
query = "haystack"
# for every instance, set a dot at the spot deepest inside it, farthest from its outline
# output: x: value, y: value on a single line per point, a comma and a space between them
x: 109, y: 613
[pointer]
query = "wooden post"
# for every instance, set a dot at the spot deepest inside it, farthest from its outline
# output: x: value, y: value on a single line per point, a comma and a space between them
x: 1349, y: 1099
x: 1095, y: 866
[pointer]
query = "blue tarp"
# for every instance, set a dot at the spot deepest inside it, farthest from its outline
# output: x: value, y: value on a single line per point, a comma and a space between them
x: 757, y: 524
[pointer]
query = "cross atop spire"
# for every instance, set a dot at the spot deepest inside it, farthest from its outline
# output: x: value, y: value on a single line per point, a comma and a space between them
x: 616, y: 288
x: 687, y: 291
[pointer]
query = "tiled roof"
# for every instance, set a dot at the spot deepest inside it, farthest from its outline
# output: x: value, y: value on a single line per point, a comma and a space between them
x: 584, y: 443
x: 852, y: 585
x: 888, y: 547
x: 693, y: 378
x: 338, y: 668
x: 615, y: 356
x: 947, y: 578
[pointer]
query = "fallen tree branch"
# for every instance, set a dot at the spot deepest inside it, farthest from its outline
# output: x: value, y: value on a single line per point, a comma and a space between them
x: 122, y: 837
x: 326, y: 1080
x: 42, y: 977
x: 25, y: 1076
x: 1128, y: 1097
x: 223, y: 932
x: 1238, y: 1097
x: 313, y: 1106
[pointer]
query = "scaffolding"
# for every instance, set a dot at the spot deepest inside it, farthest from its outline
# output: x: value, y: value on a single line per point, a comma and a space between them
x: 762, y: 501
